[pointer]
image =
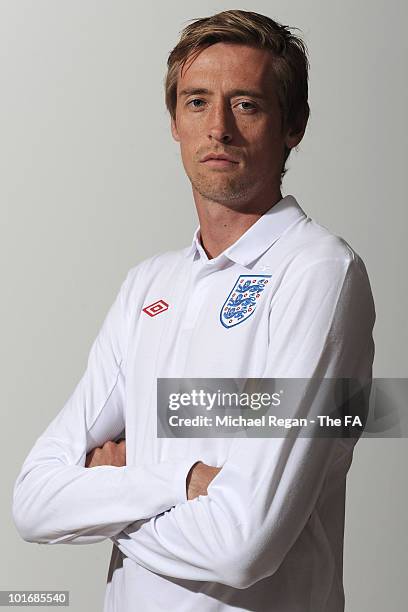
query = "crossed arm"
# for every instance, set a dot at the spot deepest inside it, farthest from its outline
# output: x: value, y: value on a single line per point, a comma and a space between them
x: 218, y: 529
x: 56, y: 499
x: 114, y: 453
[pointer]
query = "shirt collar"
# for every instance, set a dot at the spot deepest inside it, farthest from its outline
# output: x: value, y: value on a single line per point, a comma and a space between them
x: 259, y: 237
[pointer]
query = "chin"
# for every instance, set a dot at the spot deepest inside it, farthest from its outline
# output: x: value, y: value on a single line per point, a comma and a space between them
x: 223, y: 192
x: 224, y: 197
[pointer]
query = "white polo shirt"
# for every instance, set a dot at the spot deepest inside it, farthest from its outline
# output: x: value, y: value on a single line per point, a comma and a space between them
x: 269, y: 534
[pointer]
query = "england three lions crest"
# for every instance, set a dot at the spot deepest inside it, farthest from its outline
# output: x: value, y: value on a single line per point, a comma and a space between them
x: 243, y: 298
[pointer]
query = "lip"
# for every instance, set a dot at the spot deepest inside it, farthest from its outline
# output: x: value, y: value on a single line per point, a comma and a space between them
x: 219, y: 163
x: 219, y: 157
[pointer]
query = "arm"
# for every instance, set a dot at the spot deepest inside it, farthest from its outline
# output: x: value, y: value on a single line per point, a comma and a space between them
x: 261, y: 500
x: 56, y: 498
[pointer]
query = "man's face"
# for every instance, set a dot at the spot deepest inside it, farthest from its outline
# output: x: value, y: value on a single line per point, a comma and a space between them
x: 227, y: 104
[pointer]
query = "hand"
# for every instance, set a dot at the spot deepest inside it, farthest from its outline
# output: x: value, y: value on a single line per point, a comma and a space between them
x: 111, y: 453
x: 198, y: 479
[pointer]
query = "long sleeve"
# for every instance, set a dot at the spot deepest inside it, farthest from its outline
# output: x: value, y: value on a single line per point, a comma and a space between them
x: 321, y: 322
x: 56, y: 498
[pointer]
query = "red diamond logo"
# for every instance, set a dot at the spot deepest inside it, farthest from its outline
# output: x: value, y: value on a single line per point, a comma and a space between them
x: 156, y: 308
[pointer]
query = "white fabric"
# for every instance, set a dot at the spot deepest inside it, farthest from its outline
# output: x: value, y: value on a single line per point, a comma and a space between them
x: 269, y: 534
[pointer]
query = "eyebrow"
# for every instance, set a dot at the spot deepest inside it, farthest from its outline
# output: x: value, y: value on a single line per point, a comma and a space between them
x: 234, y: 92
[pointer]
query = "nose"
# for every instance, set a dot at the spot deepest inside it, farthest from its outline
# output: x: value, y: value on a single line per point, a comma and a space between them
x: 220, y: 123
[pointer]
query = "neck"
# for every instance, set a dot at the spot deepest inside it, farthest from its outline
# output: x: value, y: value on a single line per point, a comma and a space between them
x: 222, y: 225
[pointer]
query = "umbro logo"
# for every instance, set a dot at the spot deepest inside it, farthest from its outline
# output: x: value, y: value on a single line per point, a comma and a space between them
x: 156, y: 308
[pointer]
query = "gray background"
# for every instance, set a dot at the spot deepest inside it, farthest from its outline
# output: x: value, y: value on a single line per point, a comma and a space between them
x: 92, y: 183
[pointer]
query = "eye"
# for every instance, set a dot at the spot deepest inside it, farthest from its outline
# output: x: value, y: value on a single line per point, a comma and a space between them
x: 194, y: 100
x: 197, y: 103
x: 250, y: 104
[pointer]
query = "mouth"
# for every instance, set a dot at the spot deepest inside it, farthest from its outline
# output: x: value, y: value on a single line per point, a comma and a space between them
x: 219, y: 163
x: 219, y: 160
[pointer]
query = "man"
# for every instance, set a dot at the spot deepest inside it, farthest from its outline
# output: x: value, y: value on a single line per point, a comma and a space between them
x: 215, y: 523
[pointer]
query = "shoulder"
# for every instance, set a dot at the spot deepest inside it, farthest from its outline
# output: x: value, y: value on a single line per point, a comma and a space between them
x: 316, y: 268
x: 312, y: 248
x: 147, y: 269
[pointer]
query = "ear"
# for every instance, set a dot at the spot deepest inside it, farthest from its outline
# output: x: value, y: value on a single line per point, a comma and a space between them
x: 295, y: 134
x: 174, y: 130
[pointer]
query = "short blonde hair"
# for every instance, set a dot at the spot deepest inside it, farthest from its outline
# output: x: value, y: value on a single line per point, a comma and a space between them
x: 290, y: 65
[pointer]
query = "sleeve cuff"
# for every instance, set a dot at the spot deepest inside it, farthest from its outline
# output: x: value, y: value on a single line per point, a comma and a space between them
x: 181, y: 471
